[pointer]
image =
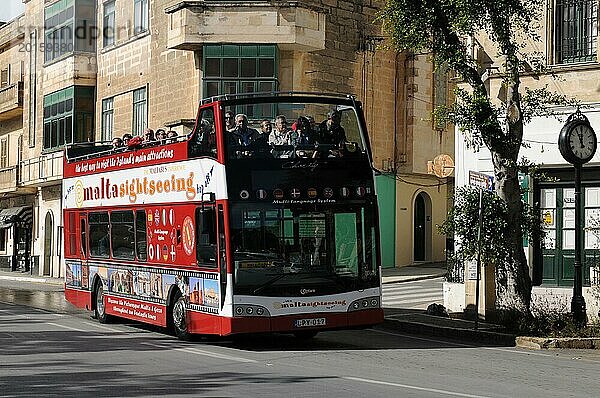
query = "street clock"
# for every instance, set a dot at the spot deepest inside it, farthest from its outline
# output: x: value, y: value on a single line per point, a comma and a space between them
x: 577, y: 141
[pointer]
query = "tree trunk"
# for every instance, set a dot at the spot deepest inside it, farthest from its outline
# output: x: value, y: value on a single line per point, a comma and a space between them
x: 513, y: 280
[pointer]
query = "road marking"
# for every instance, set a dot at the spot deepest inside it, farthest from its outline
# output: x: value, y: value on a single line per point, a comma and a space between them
x: 434, y: 390
x: 66, y: 327
x: 196, y: 351
x: 423, y: 338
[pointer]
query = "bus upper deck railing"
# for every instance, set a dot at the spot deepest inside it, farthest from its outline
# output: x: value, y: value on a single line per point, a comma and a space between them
x: 89, y: 150
x: 273, y: 94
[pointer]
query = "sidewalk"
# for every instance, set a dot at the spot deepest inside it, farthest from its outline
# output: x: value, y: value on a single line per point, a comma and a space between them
x: 413, y: 272
x: 17, y: 276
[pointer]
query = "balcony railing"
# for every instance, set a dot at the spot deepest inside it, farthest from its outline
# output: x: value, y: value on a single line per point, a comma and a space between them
x: 8, y: 179
x: 44, y: 170
x: 11, y: 101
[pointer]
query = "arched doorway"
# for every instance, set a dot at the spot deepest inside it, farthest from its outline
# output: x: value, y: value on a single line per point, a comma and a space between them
x: 48, y: 229
x: 422, y: 228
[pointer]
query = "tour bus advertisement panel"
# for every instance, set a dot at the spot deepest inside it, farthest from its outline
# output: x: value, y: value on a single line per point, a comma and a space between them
x: 126, y: 159
x: 184, y: 181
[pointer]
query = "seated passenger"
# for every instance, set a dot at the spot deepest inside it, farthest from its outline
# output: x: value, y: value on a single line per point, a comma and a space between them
x: 148, y: 136
x: 126, y: 138
x: 280, y: 136
x: 260, y: 144
x: 161, y: 136
x: 117, y: 144
x: 172, y: 135
x: 303, y: 134
x: 330, y: 130
x: 206, y: 139
x: 229, y: 121
x: 331, y: 133
x: 239, y: 140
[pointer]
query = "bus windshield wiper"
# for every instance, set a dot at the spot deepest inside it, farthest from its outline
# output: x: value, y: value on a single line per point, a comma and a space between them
x: 269, y: 283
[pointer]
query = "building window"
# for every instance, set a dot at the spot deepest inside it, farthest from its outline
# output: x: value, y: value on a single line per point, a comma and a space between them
x: 69, y: 25
x: 5, y: 76
x: 140, y: 16
x: 232, y: 69
x: 4, y: 153
x: 107, y: 119
x: 440, y: 94
x: 32, y: 88
x: 576, y: 30
x: 2, y: 240
x: 108, y: 30
x: 140, y: 111
x: 68, y: 116
x: 59, y: 20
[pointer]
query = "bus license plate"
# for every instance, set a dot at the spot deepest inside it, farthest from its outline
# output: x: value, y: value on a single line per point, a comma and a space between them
x: 303, y: 323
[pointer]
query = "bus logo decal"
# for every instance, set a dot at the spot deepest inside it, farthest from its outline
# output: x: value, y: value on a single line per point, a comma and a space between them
x: 312, y: 193
x: 295, y: 192
x: 79, y: 193
x: 328, y: 193
x: 187, y: 234
x: 244, y: 194
x: 261, y: 194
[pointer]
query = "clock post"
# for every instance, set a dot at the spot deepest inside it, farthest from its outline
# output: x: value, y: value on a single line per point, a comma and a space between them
x: 578, y: 302
x: 577, y: 143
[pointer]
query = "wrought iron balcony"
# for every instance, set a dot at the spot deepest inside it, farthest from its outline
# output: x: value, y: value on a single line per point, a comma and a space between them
x: 289, y: 24
x: 46, y: 169
x: 11, y: 101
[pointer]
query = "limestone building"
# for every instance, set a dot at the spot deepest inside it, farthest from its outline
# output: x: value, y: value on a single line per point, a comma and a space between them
x: 103, y: 68
x: 568, y: 47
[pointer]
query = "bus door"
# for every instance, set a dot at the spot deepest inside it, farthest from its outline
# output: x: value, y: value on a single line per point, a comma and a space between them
x: 83, y: 248
x: 222, y: 251
x: 210, y: 246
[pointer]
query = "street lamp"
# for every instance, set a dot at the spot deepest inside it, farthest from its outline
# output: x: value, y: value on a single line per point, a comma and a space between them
x: 577, y: 143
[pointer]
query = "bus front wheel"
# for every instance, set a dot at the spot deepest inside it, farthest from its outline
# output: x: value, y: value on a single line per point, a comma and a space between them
x: 179, y: 319
x: 100, y: 308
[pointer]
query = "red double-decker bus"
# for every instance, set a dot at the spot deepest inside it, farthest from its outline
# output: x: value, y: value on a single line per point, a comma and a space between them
x: 228, y: 231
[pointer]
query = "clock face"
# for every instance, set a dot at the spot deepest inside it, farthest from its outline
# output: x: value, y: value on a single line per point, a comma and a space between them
x: 577, y: 142
x: 582, y: 142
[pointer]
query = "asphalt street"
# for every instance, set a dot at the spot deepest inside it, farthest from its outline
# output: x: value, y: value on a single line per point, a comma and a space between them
x: 61, y: 352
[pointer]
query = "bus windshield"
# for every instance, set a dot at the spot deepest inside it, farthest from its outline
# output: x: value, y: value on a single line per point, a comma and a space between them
x: 284, y: 130
x: 276, y: 251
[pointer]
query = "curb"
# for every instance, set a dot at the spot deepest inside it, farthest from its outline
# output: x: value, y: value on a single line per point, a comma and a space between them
x: 410, y: 279
x: 476, y: 336
x: 31, y: 279
x: 545, y: 343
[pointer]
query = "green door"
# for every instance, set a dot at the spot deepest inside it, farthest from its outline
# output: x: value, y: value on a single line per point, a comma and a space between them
x: 558, y: 248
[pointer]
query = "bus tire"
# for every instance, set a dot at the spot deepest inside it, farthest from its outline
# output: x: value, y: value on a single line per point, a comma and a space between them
x: 305, y: 334
x: 99, y: 307
x: 179, y: 320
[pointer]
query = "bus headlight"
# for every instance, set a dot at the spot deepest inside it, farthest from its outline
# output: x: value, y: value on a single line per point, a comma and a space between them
x: 364, y: 303
x: 250, y: 310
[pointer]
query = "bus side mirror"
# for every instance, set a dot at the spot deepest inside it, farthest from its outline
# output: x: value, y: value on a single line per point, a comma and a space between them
x: 211, y: 197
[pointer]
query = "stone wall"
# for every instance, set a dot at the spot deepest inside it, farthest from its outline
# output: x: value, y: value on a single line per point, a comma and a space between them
x: 143, y: 60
